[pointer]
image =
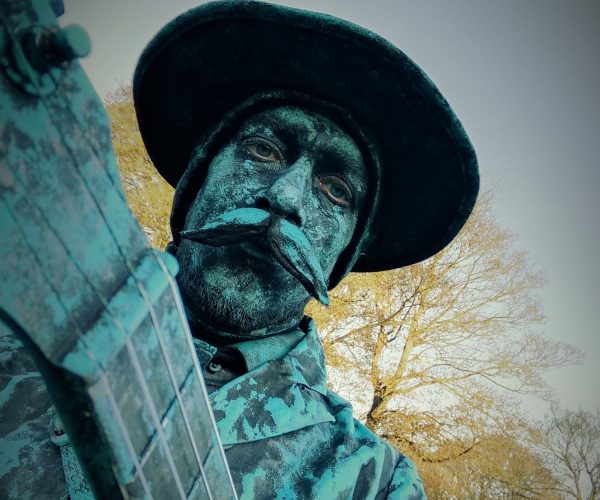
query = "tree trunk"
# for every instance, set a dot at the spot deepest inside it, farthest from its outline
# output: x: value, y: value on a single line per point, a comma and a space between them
x: 377, y: 407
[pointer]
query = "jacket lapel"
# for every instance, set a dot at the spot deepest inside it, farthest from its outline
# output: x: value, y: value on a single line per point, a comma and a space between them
x: 278, y: 397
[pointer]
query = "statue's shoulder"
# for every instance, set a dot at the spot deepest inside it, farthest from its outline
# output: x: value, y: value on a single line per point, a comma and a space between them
x: 396, y: 475
x: 31, y: 463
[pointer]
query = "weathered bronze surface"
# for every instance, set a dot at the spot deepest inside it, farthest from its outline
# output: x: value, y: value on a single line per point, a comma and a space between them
x: 290, y: 173
x: 83, y: 296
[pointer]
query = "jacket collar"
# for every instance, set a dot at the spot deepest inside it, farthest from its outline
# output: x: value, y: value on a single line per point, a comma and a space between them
x: 277, y: 397
x: 255, y: 351
x: 262, y: 350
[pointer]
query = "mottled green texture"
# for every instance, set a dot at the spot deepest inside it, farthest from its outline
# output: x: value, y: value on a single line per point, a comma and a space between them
x: 231, y: 227
x: 98, y: 310
x: 77, y: 484
x: 260, y: 351
x: 294, y: 252
x: 287, y: 436
x: 30, y: 464
x: 210, y: 144
x: 288, y: 244
x: 242, y: 287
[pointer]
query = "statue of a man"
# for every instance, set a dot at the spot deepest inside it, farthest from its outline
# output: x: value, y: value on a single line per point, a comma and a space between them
x: 302, y: 148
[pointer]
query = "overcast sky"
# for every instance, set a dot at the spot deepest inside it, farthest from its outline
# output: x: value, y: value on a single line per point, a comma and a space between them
x: 523, y: 77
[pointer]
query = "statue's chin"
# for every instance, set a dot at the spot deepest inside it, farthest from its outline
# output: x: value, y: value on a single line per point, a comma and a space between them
x: 213, y: 310
x: 235, y: 291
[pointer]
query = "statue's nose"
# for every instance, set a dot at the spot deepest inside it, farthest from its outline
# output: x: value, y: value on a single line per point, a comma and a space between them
x: 286, y: 196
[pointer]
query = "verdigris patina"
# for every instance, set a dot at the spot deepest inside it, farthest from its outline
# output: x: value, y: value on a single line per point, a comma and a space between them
x: 292, y: 183
x: 302, y: 147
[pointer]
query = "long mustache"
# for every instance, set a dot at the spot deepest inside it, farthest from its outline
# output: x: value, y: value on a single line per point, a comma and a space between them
x: 290, y: 247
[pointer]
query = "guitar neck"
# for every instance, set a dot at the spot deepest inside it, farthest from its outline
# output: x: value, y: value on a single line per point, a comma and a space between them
x: 98, y: 308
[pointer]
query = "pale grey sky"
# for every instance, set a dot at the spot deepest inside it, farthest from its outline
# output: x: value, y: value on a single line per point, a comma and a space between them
x: 524, y: 78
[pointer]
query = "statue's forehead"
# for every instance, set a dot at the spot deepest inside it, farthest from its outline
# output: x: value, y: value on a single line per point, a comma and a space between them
x: 297, y: 115
x: 296, y: 119
x: 299, y: 129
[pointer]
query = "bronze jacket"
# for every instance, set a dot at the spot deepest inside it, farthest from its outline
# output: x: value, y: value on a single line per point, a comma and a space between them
x: 285, y: 434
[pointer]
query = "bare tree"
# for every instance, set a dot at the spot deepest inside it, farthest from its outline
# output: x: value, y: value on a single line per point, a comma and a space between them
x: 435, y: 353
x: 499, y: 467
x: 453, y: 327
x: 569, y: 441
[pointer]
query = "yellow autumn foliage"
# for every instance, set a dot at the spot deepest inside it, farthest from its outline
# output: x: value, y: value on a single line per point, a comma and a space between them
x: 148, y: 195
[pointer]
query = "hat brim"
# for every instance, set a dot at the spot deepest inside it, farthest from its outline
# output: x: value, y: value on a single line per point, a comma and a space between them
x: 213, y: 57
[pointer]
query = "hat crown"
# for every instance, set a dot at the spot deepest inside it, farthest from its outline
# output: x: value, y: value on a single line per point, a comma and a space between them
x: 216, y: 56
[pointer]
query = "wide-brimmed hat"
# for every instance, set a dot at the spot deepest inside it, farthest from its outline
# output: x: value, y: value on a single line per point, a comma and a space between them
x: 218, y: 55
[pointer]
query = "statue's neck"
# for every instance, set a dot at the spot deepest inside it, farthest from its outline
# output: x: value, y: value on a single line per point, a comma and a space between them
x: 217, y: 335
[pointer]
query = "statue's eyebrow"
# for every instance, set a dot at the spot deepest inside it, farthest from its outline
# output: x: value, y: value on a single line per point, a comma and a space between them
x: 281, y: 129
x: 348, y: 166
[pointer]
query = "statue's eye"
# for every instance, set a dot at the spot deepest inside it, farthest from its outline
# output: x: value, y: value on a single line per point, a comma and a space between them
x: 263, y: 150
x: 336, y: 190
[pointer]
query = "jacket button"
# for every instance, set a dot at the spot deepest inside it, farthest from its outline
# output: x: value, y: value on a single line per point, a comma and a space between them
x: 213, y: 367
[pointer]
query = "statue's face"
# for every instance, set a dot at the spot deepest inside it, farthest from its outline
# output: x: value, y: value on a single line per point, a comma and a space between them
x: 299, y: 166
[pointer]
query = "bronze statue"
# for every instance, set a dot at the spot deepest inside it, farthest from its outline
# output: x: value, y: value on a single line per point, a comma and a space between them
x: 302, y: 147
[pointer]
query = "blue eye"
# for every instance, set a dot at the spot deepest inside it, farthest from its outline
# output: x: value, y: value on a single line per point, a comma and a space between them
x: 263, y: 150
x: 336, y: 190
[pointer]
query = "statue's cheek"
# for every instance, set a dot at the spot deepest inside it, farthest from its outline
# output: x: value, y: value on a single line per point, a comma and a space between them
x: 330, y: 235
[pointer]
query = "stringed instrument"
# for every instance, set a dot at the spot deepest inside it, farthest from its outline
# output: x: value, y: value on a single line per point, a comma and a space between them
x: 98, y: 309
